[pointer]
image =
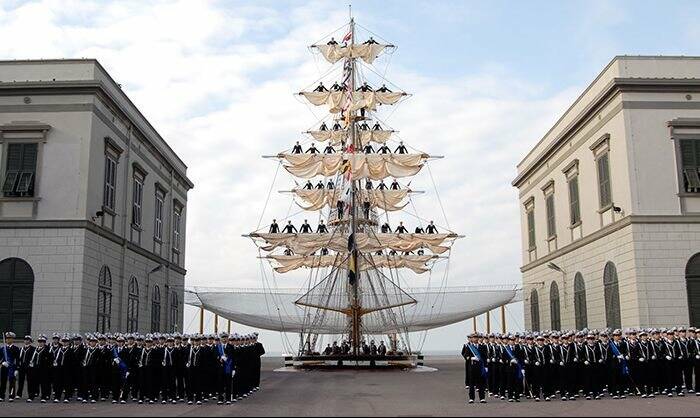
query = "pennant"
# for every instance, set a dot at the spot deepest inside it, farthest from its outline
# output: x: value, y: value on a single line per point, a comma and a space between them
x: 347, y: 37
x: 352, y: 267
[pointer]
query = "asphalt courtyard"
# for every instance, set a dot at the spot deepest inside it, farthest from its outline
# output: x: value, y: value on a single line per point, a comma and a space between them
x: 369, y: 393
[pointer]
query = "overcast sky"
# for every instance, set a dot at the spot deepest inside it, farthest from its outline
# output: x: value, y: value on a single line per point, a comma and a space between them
x: 217, y: 80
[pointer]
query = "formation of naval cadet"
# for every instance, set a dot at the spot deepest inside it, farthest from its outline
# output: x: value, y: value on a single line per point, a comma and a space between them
x: 148, y: 369
x: 583, y: 365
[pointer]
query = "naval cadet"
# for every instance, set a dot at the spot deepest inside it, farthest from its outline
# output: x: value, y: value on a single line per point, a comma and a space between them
x: 474, y: 354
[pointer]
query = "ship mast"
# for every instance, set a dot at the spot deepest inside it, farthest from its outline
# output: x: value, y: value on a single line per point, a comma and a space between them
x: 355, y: 307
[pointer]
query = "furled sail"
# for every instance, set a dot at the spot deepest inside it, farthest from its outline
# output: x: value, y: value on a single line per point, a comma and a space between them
x: 287, y: 263
x: 307, y: 244
x: 317, y: 199
x: 336, y: 52
x: 372, y: 166
x: 337, y: 137
x: 337, y: 101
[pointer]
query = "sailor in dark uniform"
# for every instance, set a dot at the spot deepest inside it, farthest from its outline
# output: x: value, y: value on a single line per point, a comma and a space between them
x: 401, y: 149
x: 365, y: 88
x: 366, y: 208
x: 385, y: 228
x: 476, y: 370
x: 309, y: 185
x: 320, y: 185
x: 89, y: 366
x: 289, y: 228
x: 62, y: 373
x: 39, y: 372
x: 369, y: 149
x: 332, y: 42
x: 194, y: 372
x: 297, y: 149
x: 395, y: 185
x: 323, y: 127
x: 384, y: 89
x: 25, y: 354
x: 384, y: 149
x: 401, y: 229
x: 382, y: 185
x: 369, y: 185
x: 371, y: 41
x: 419, y: 230
x: 686, y: 363
x: 322, y: 228
x: 76, y: 369
x: 330, y: 185
x: 258, y: 351
x: 274, y: 227
x: 312, y: 149
x: 9, y: 362
x: 329, y: 149
x: 431, y: 229
x: 306, y: 228
x: 320, y: 88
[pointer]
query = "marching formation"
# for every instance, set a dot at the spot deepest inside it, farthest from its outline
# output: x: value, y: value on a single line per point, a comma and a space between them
x: 586, y: 364
x: 122, y: 368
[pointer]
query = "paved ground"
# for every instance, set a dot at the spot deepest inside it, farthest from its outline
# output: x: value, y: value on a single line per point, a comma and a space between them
x: 367, y: 393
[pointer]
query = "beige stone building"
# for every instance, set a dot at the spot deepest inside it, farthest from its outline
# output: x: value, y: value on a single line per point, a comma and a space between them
x: 610, y: 203
x: 92, y: 208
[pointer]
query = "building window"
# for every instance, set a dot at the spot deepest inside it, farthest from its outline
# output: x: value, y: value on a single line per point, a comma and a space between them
x: 137, y: 205
x: 155, y: 310
x: 158, y: 226
x: 174, y: 312
x: 20, y: 171
x: 110, y: 189
x: 177, y: 221
x: 555, y: 306
x: 104, y: 300
x: 604, y: 189
x: 532, y: 238
x: 551, y: 218
x: 612, y: 297
x: 690, y: 164
x: 580, y: 304
x: 574, y: 202
x: 535, y: 310
x: 132, y: 307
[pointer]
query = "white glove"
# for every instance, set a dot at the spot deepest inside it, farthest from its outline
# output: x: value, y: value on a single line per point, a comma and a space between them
x: 697, y: 357
x: 487, y: 369
x: 641, y: 360
x: 55, y: 364
x: 116, y: 362
x: 587, y: 363
x: 475, y: 360
x: 576, y: 360
x: 127, y: 374
x: 5, y: 364
x: 627, y: 358
x: 537, y: 363
x: 187, y: 365
x: 16, y: 374
x: 514, y: 361
x: 224, y: 358
x: 600, y: 361
x: 621, y: 357
x: 653, y: 357
x: 551, y: 361
x: 561, y: 363
x: 527, y: 361
x: 669, y: 358
x: 488, y: 361
x: 233, y: 374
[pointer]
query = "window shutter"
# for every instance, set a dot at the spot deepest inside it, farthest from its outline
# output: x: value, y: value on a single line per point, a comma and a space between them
x: 29, y: 158
x: 574, y: 196
x: 14, y: 157
x: 551, y: 220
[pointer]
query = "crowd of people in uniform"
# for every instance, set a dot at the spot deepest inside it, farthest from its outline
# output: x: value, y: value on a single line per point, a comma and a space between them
x: 148, y: 369
x: 583, y: 365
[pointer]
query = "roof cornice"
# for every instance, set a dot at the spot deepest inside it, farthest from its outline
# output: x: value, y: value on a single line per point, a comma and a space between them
x: 615, y: 87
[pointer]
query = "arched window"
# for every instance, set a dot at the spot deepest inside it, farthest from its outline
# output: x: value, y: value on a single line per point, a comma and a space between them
x: 16, y: 296
x: 104, y: 301
x: 692, y: 277
x: 174, y: 311
x: 155, y: 310
x: 580, y: 304
x: 535, y: 310
x: 555, y: 306
x: 612, y: 297
x: 132, y: 306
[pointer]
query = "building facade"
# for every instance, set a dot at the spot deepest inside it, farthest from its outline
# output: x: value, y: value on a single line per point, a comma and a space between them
x: 93, y: 206
x: 610, y: 203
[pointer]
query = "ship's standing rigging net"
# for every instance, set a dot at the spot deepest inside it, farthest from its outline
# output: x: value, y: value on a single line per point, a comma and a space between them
x: 361, y: 281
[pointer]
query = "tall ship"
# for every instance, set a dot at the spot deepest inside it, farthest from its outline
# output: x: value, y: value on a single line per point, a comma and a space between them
x: 354, y: 177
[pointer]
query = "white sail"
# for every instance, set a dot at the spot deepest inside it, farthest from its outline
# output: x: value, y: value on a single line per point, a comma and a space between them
x: 364, y: 166
x: 317, y: 199
x: 336, y: 52
x: 307, y: 244
x: 337, y: 137
x: 287, y: 263
x: 337, y: 101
